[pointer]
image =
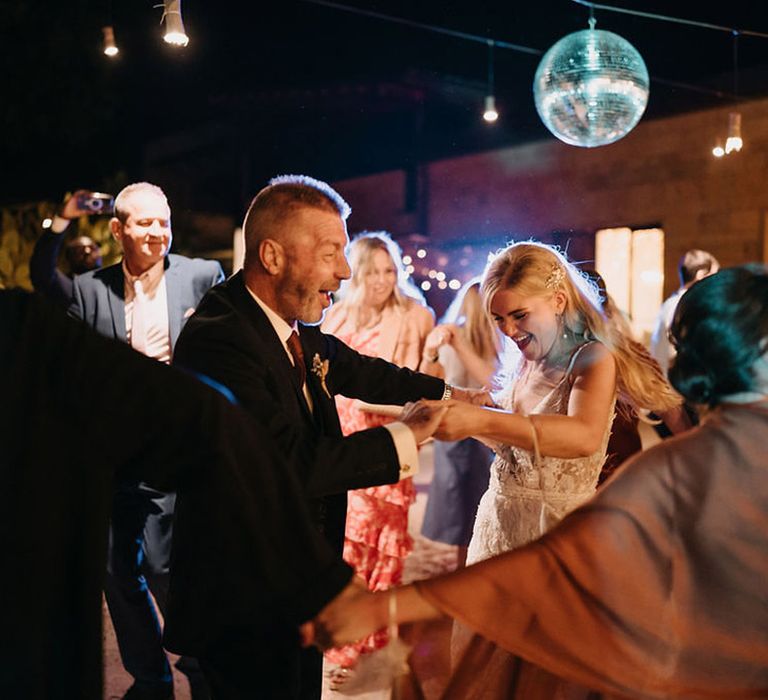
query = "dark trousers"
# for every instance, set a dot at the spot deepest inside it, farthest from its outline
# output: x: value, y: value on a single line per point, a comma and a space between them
x: 137, y: 563
x: 264, y: 663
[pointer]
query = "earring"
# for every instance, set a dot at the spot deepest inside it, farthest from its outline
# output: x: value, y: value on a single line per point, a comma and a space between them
x: 562, y: 325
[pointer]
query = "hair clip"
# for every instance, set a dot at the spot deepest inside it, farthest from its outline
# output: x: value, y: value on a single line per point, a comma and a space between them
x: 555, y: 277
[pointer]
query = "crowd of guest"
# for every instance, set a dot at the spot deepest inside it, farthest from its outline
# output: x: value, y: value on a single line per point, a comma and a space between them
x: 593, y: 568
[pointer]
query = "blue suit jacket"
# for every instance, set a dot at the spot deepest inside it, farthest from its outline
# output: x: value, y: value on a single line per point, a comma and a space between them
x: 98, y: 297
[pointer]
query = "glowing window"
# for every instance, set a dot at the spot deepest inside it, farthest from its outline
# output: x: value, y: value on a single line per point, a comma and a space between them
x: 632, y: 265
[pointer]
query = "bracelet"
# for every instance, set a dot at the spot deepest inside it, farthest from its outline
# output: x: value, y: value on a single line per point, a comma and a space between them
x: 392, y: 614
x: 447, y: 392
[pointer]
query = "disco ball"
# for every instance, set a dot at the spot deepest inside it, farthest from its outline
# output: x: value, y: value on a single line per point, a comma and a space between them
x: 591, y: 88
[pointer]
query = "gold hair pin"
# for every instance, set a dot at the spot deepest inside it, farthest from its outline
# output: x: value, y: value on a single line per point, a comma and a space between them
x: 555, y: 277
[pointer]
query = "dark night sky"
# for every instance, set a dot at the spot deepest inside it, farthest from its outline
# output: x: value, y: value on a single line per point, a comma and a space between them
x: 73, y: 117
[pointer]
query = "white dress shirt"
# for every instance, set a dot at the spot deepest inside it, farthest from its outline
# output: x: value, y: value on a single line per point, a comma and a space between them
x: 157, y: 343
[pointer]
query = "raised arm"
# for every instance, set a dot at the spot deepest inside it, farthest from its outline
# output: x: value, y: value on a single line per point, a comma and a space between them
x: 576, y: 434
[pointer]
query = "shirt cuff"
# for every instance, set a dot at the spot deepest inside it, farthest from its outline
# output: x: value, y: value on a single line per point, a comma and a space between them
x: 59, y: 224
x: 406, y: 447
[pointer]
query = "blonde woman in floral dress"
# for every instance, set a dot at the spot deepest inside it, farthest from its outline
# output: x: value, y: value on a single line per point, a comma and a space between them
x: 381, y: 314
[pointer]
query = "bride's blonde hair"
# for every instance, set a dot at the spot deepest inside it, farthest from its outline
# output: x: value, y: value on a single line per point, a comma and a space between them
x: 538, y: 270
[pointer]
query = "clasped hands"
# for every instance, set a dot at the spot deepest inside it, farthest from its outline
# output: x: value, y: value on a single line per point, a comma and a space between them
x: 446, y: 420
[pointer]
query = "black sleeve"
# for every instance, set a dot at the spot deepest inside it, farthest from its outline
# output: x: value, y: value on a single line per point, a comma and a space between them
x: 374, y: 380
x: 326, y: 464
x: 43, y: 271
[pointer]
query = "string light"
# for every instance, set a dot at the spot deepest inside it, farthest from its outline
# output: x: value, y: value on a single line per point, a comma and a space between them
x: 490, y: 114
x: 110, y: 47
x: 733, y: 141
x: 174, y: 24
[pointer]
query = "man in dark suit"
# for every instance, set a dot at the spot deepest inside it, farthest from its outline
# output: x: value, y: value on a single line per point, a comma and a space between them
x: 257, y: 334
x: 144, y: 300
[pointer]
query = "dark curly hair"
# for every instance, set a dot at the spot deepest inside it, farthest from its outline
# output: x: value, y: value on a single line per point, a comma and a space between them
x: 720, y: 329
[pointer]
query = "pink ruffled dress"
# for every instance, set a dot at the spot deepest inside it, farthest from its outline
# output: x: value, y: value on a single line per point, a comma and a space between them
x: 376, y: 539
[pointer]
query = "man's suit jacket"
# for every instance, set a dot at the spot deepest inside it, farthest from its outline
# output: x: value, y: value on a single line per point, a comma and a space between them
x: 98, y: 297
x: 230, y: 339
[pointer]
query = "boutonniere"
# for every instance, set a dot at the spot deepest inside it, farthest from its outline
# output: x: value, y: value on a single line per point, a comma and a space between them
x: 320, y: 370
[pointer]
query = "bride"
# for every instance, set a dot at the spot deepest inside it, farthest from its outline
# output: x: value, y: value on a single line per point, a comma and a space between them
x: 551, y: 434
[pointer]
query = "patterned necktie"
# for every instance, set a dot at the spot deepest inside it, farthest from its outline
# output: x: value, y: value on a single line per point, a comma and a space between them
x: 139, y: 319
x: 294, y: 346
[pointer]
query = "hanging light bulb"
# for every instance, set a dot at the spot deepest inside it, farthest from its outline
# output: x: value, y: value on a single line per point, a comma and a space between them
x: 490, y: 114
x: 734, y: 142
x: 174, y: 25
x: 110, y: 47
x: 718, y: 151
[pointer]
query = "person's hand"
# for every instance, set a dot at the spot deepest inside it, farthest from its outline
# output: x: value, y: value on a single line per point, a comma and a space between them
x: 457, y: 420
x: 423, y: 417
x: 351, y: 615
x: 476, y: 397
x: 437, y: 337
x: 451, y: 334
x: 71, y: 209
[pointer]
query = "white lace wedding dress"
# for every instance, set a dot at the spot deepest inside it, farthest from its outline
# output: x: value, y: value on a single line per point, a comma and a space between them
x: 526, y: 496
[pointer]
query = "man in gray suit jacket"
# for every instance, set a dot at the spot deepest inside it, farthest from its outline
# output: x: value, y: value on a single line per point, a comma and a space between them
x: 144, y: 301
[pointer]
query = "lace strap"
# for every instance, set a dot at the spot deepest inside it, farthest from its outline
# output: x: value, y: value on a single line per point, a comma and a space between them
x: 574, y: 357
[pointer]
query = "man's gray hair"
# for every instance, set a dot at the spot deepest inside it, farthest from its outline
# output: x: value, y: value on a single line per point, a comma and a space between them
x: 299, y: 184
x: 125, y: 194
x: 284, y: 194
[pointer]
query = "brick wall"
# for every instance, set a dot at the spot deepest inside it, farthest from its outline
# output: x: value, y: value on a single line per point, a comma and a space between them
x: 662, y: 174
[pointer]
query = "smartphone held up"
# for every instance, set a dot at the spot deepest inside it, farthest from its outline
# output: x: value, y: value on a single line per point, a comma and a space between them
x: 96, y: 202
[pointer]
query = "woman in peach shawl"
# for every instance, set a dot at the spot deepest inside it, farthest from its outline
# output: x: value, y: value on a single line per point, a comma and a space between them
x: 656, y: 587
